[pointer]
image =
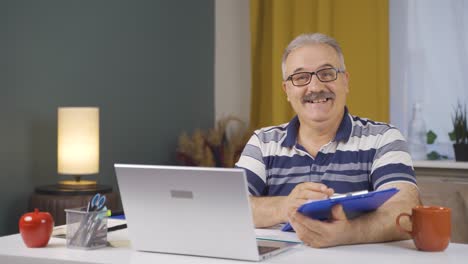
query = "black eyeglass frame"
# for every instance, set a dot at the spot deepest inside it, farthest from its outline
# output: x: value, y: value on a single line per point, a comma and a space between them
x: 312, y: 75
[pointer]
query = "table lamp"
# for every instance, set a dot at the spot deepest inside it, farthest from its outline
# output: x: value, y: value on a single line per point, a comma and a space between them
x: 78, y: 145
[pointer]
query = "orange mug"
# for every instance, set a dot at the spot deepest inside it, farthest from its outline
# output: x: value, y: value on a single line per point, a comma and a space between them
x: 431, y: 227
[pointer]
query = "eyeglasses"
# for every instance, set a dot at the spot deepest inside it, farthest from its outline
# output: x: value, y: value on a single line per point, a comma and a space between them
x: 324, y: 75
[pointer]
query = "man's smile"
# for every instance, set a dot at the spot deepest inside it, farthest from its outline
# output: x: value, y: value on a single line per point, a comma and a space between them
x: 318, y: 98
x: 316, y: 101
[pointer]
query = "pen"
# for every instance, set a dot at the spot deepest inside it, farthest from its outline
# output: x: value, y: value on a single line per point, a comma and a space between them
x: 117, y: 227
x: 95, y: 226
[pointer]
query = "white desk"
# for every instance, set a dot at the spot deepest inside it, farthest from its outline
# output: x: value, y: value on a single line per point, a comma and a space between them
x: 13, y: 251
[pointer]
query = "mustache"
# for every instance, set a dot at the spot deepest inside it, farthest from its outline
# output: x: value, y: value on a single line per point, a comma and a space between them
x: 317, y: 96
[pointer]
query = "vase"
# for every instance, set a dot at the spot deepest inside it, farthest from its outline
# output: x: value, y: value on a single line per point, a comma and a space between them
x: 461, y: 152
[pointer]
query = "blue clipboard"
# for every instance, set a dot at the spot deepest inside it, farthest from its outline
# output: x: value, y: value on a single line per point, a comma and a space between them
x: 353, y: 205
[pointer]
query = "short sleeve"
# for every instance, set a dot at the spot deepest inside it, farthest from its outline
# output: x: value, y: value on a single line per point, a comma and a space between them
x: 251, y: 160
x: 392, y: 161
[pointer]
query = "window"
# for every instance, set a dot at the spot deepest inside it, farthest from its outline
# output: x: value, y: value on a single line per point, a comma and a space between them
x: 428, y: 64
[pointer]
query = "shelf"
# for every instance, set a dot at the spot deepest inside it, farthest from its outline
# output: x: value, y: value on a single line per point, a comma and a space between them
x: 441, y: 164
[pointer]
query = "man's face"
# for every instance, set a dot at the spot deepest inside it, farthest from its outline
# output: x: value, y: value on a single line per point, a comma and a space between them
x: 317, y: 101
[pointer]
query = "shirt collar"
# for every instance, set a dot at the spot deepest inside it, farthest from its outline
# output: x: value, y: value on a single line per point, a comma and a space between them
x: 291, y: 133
x: 343, y: 133
x: 345, y: 128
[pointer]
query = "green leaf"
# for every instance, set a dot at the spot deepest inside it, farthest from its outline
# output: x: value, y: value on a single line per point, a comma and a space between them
x: 452, y: 135
x: 430, y: 137
x: 434, y: 155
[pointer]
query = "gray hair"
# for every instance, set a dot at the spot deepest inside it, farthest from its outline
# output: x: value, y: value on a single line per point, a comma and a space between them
x: 311, y: 38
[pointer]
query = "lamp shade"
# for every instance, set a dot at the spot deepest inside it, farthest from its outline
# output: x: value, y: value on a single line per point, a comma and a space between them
x: 78, y: 140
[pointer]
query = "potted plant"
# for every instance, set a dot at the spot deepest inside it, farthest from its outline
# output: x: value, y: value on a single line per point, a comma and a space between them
x: 431, y: 137
x: 460, y: 133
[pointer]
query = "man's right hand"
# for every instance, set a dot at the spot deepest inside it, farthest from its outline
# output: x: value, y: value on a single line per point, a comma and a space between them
x: 302, y: 193
x: 272, y: 210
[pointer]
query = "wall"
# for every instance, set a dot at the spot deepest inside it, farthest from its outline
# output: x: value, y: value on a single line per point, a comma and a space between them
x: 232, y: 59
x: 148, y: 65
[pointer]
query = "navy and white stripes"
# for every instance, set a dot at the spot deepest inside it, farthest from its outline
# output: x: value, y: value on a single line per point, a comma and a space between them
x: 363, y: 156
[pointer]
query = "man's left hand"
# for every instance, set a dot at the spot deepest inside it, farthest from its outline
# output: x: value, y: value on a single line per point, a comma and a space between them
x: 319, y: 234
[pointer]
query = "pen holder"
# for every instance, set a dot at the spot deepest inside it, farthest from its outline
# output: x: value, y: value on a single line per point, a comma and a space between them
x: 86, y: 230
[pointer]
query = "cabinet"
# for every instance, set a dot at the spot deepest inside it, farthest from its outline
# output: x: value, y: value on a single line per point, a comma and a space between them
x: 54, y: 200
x: 446, y: 186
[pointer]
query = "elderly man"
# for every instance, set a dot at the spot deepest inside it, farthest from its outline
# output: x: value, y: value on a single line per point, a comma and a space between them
x: 323, y: 150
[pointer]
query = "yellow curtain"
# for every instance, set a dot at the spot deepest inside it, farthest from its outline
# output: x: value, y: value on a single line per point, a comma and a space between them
x: 360, y: 26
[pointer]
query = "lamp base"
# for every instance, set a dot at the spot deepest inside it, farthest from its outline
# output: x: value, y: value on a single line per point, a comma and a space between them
x: 77, y: 184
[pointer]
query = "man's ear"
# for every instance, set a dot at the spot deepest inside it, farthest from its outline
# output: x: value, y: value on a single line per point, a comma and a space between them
x: 285, y: 91
x: 346, y: 79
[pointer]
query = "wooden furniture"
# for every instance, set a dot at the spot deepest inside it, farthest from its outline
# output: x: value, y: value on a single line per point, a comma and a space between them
x: 55, y: 200
x: 445, y: 183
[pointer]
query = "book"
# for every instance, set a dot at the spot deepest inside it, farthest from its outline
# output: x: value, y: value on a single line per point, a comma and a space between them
x: 354, y: 205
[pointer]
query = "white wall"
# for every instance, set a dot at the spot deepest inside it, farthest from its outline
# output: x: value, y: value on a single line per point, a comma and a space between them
x: 232, y: 59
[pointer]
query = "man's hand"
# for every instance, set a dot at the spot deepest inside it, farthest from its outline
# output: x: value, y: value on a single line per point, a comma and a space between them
x: 376, y: 226
x: 269, y: 211
x: 301, y: 194
x: 321, y: 234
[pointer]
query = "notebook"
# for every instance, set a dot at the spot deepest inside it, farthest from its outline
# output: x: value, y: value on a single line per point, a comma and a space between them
x: 191, y: 211
x: 354, y: 205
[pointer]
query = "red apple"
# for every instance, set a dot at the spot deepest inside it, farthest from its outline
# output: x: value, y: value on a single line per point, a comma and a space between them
x: 36, y: 228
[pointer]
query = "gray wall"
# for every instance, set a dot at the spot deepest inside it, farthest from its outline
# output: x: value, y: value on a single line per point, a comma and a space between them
x: 148, y: 65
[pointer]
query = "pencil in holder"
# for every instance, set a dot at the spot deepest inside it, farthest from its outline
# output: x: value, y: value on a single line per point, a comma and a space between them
x: 86, y: 230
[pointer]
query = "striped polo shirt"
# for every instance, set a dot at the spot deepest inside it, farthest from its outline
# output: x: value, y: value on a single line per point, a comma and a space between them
x: 364, y: 155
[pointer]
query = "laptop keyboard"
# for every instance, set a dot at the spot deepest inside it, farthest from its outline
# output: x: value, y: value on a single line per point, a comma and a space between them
x: 263, y: 249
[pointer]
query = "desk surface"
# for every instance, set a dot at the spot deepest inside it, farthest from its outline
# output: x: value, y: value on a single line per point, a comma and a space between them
x: 12, y: 250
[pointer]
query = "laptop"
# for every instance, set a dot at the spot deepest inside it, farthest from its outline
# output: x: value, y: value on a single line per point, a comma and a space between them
x: 191, y: 211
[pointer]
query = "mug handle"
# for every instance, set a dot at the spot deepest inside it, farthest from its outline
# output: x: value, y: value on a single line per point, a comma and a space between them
x: 398, y: 223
